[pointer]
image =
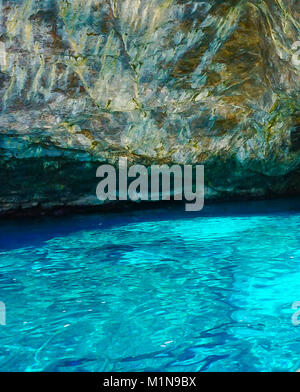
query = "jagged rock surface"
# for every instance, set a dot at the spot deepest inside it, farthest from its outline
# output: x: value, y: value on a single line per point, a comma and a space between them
x: 158, y: 81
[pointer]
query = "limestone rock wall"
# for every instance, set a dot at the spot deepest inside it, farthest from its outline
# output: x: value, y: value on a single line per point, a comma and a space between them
x: 174, y: 81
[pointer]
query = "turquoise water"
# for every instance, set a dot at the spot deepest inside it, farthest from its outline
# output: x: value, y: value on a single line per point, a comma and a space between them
x: 154, y: 290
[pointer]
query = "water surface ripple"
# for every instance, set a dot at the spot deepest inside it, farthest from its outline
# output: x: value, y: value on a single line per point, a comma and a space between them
x: 155, y: 290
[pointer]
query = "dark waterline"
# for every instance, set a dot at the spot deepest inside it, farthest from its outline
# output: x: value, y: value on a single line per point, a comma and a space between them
x: 26, y: 230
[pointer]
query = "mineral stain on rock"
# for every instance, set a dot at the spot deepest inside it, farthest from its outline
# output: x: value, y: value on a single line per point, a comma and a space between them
x: 157, y: 81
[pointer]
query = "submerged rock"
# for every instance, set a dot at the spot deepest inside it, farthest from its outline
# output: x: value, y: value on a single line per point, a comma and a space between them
x: 158, y: 81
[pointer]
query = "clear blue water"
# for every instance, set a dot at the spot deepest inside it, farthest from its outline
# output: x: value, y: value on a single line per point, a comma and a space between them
x: 155, y: 290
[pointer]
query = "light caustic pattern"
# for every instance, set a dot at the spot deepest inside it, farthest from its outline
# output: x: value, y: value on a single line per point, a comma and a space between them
x: 152, y: 290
